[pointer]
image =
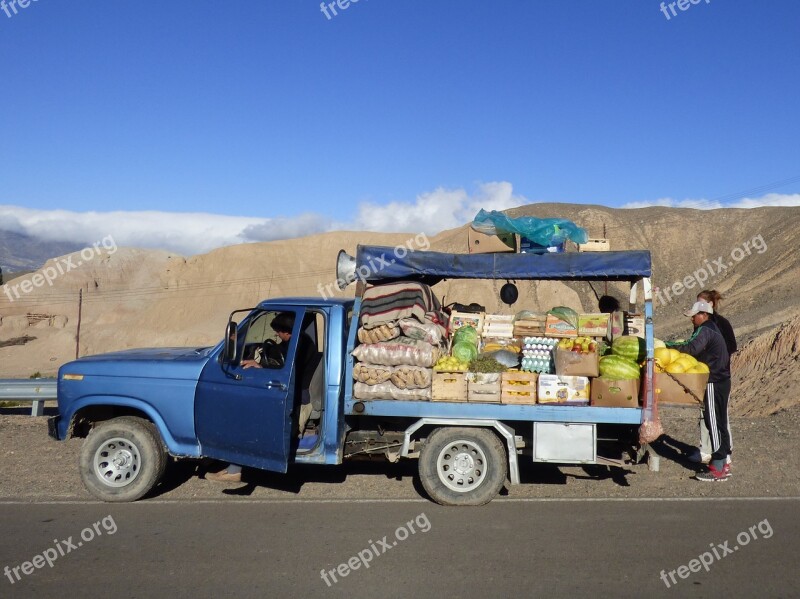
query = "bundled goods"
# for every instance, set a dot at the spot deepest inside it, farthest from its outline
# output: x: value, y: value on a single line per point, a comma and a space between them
x: 371, y: 374
x: 398, y: 352
x: 389, y: 390
x: 383, y: 332
x: 429, y: 332
x: 537, y: 354
x: 411, y: 377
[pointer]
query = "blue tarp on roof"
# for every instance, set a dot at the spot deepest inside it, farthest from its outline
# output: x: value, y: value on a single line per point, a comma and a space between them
x: 378, y: 263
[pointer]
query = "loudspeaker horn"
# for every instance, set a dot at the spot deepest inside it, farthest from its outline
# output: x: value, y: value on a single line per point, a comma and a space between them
x: 345, y: 269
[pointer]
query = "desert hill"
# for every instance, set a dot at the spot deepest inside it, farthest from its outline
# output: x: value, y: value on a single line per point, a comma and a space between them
x: 153, y: 298
x: 766, y: 372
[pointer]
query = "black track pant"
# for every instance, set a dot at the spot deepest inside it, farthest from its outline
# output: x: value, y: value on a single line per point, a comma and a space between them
x: 716, y: 417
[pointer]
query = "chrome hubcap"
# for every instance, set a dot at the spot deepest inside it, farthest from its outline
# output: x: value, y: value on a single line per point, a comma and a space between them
x: 117, y: 462
x: 461, y: 466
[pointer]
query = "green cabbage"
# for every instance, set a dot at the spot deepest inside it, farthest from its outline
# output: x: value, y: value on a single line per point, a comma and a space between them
x: 465, y: 351
x: 466, y: 333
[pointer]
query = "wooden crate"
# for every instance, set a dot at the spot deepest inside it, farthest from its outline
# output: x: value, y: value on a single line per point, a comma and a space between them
x: 483, y: 392
x: 518, y: 388
x: 449, y: 386
x: 595, y: 245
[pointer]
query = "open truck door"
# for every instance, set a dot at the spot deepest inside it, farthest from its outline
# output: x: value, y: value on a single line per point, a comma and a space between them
x: 245, y: 415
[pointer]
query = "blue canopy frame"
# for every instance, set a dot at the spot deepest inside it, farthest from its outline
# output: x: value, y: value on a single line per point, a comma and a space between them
x: 380, y: 264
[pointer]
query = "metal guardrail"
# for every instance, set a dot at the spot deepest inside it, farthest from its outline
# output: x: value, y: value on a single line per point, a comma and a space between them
x: 33, y: 390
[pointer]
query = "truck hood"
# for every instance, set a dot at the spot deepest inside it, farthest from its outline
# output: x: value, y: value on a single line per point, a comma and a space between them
x: 157, y: 362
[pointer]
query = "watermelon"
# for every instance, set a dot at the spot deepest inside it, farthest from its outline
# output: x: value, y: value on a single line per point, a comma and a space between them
x: 618, y: 368
x: 630, y: 347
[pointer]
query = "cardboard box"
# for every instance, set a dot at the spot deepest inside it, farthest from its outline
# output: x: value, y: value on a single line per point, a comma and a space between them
x: 557, y: 389
x: 635, y: 325
x: 615, y: 394
x: 460, y: 319
x: 555, y: 327
x: 668, y: 391
x: 480, y: 243
x: 593, y: 325
x: 569, y: 363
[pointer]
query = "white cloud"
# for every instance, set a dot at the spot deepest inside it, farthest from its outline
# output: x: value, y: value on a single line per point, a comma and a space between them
x: 770, y: 199
x: 437, y: 210
x: 197, y: 232
x: 183, y: 232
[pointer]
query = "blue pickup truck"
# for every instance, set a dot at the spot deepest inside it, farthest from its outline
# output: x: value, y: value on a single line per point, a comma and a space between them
x: 136, y: 408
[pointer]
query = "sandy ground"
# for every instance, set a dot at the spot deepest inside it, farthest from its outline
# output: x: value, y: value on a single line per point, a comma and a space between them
x: 766, y: 464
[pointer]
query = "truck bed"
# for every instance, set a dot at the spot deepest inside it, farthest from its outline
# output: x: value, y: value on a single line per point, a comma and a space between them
x: 494, y: 411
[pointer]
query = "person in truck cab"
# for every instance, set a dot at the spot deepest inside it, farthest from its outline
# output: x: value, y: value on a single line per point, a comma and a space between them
x: 273, y: 355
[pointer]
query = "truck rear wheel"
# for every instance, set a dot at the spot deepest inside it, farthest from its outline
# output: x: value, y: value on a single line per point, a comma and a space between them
x: 462, y: 466
x: 122, y: 459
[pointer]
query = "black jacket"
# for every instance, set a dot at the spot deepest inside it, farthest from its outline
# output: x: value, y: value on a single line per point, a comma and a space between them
x: 708, y: 346
x: 727, y: 332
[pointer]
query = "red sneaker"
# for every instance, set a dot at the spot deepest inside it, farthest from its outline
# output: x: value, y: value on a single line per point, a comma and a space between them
x: 712, y: 475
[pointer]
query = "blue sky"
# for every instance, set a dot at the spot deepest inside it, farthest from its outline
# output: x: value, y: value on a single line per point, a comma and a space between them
x: 268, y: 119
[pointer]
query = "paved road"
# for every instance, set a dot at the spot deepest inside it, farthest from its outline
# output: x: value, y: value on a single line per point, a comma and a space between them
x: 277, y: 548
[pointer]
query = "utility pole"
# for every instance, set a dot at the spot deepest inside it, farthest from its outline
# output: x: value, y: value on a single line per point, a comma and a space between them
x: 78, y: 337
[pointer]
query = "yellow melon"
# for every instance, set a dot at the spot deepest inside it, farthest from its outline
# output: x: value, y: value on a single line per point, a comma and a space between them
x: 674, y: 354
x: 685, y: 363
x: 675, y: 368
x: 662, y: 356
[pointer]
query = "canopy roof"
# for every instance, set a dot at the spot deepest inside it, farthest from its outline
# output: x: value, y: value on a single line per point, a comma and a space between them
x: 378, y: 263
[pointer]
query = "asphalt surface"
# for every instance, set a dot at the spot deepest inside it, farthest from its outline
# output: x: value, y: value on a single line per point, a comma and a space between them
x: 509, y: 548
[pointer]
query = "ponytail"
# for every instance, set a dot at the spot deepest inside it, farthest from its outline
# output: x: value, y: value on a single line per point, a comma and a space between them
x: 713, y: 296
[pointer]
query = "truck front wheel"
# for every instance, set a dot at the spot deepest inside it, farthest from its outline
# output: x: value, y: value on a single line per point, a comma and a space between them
x: 122, y: 459
x: 462, y: 466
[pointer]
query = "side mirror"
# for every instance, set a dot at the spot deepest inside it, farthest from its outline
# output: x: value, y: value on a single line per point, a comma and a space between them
x: 229, y: 353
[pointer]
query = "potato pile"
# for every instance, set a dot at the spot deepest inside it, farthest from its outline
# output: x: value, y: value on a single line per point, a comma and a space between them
x: 392, y: 365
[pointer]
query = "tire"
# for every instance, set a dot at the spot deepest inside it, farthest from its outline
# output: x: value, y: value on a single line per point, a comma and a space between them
x: 462, y: 465
x: 122, y: 459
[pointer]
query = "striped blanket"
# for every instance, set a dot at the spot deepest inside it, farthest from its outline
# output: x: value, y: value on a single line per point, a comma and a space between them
x: 391, y: 302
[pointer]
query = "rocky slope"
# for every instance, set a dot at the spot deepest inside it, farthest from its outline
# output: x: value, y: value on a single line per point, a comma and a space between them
x: 766, y: 372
